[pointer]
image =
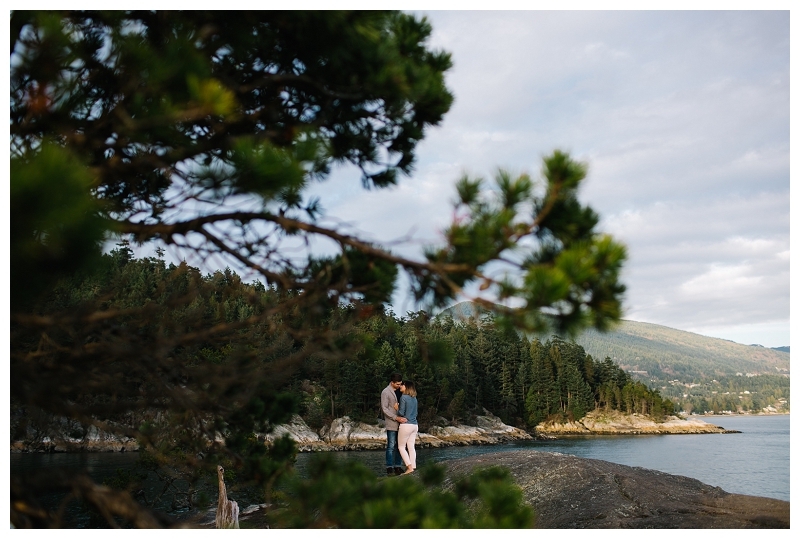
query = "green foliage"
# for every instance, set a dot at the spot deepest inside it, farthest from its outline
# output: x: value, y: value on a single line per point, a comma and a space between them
x: 373, y: 279
x: 455, y: 410
x: 202, y: 130
x: 51, y: 236
x: 568, y: 383
x: 348, y: 495
x: 214, y: 106
x: 500, y: 502
x: 166, y: 304
x: 459, y: 368
x: 314, y: 398
x: 125, y: 479
x: 733, y: 394
x: 569, y: 267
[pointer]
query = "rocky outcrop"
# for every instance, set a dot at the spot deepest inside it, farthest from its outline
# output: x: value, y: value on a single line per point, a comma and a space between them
x: 614, y: 422
x: 305, y: 438
x: 488, y: 430
x: 57, y: 440
x: 573, y: 492
x: 345, y: 434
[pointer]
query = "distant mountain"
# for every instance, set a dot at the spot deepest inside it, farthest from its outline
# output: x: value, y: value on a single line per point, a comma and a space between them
x: 664, y: 353
x: 464, y: 311
x: 651, y: 352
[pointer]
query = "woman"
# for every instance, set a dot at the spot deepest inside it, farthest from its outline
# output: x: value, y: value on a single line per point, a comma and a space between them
x: 407, y: 432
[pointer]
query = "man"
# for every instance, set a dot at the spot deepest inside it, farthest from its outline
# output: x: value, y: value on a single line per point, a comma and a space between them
x: 394, y: 463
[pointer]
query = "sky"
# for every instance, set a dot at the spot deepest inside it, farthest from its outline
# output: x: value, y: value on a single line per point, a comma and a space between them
x: 683, y: 120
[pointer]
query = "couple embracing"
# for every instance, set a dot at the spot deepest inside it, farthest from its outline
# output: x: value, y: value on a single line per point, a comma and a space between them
x: 399, y: 407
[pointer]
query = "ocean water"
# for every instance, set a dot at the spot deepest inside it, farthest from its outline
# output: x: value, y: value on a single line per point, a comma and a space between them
x: 755, y: 462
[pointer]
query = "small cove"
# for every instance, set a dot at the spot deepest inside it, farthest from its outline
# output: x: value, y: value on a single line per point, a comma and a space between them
x: 755, y: 462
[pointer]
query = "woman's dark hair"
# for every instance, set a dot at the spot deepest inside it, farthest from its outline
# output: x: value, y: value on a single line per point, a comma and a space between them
x: 411, y: 391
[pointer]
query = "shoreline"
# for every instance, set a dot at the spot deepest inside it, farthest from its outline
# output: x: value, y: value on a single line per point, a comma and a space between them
x: 759, y: 414
x: 614, y: 423
x: 345, y: 434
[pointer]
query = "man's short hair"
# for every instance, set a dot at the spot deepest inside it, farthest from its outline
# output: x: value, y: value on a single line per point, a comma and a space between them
x: 396, y: 377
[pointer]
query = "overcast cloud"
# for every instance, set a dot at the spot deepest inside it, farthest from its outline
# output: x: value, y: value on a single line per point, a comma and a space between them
x: 683, y: 118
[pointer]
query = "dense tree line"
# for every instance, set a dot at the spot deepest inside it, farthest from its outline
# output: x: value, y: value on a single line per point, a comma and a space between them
x: 203, y: 131
x: 465, y: 367
x: 733, y: 394
x: 461, y: 367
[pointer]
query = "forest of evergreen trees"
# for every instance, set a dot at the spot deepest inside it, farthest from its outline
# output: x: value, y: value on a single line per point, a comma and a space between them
x: 460, y: 367
x: 463, y: 367
x: 668, y: 354
x: 733, y: 394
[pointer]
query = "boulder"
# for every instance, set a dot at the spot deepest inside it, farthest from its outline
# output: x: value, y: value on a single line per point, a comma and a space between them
x: 296, y: 428
x: 345, y: 434
x: 461, y: 435
x: 488, y: 430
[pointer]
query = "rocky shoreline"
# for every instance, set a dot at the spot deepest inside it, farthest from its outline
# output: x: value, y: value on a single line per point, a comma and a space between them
x: 616, y: 423
x: 346, y: 434
x: 343, y: 434
x: 569, y: 492
x: 573, y: 492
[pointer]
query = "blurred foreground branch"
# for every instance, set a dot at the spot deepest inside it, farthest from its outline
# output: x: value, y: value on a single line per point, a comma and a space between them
x: 160, y: 126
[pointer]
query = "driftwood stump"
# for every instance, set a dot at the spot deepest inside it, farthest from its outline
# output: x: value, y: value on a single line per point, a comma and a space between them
x: 227, y: 510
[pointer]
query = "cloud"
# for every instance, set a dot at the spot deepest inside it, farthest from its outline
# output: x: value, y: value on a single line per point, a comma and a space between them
x: 705, y: 264
x: 683, y: 119
x: 762, y: 215
x: 656, y: 102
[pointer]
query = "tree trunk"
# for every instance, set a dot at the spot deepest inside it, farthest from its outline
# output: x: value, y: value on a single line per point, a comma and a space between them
x: 227, y: 510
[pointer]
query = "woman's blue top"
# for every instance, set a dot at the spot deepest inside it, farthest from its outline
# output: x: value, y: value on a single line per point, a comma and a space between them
x: 408, y: 409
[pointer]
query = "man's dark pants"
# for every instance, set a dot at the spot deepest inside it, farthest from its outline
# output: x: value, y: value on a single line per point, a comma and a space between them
x: 393, y: 458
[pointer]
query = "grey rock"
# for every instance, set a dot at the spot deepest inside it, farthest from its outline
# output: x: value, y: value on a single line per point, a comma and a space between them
x: 573, y: 492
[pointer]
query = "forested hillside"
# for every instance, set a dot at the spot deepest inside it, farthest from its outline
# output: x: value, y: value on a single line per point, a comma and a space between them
x: 699, y: 374
x: 667, y: 353
x: 460, y: 368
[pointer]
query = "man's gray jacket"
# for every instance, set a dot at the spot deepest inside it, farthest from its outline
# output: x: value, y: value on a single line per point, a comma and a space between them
x: 388, y: 400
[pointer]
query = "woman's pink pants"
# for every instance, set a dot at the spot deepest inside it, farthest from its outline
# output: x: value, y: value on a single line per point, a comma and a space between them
x: 406, y: 436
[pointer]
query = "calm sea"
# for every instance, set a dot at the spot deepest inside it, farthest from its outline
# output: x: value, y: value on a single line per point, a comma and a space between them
x: 755, y: 462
